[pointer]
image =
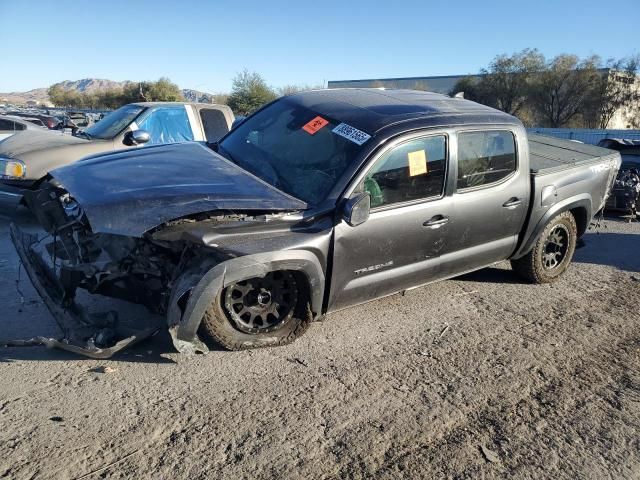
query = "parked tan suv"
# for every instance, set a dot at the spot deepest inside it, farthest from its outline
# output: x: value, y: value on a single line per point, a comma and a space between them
x: 27, y: 156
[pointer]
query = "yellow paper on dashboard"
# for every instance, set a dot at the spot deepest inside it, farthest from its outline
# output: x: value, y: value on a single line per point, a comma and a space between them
x: 417, y: 163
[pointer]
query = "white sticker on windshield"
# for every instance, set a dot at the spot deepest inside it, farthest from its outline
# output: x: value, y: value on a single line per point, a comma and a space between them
x: 350, y: 133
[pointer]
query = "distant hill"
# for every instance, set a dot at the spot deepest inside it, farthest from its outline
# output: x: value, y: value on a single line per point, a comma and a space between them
x: 37, y: 94
x: 87, y: 85
x: 90, y: 85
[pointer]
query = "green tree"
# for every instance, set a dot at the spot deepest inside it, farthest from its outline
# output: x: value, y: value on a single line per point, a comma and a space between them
x: 506, y: 83
x: 293, y: 88
x: 220, y: 98
x: 562, y: 90
x: 111, y: 99
x: 249, y: 93
x: 468, y: 86
x: 56, y: 95
x: 162, y: 90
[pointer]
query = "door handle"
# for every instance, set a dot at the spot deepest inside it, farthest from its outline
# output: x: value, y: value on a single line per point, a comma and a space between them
x: 436, y: 221
x: 512, y: 203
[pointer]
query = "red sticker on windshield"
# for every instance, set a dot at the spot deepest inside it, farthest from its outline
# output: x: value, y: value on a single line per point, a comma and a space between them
x: 314, y: 125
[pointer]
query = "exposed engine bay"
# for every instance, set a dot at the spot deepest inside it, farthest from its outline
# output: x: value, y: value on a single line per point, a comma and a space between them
x: 134, y: 269
x: 141, y: 270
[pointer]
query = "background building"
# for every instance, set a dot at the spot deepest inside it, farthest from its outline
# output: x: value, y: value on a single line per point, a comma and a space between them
x: 439, y: 84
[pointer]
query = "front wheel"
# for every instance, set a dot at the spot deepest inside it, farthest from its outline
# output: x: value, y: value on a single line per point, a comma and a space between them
x: 259, y: 312
x: 552, y: 253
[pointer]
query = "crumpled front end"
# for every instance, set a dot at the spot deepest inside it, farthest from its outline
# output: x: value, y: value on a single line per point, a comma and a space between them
x: 71, y: 257
x: 93, y: 335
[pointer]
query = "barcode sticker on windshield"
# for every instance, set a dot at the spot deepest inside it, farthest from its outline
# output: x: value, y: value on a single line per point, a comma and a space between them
x: 350, y: 133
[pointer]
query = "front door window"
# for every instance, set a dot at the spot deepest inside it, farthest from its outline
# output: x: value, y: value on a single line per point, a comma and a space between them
x: 167, y: 125
x: 411, y: 171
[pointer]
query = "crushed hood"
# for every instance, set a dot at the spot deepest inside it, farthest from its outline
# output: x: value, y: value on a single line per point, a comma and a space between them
x: 131, y: 192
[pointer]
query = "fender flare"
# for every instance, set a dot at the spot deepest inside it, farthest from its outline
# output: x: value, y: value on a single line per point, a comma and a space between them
x: 204, y: 284
x: 578, y: 201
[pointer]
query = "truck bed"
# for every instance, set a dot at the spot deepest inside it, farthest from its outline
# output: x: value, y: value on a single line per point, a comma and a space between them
x: 549, y: 154
x: 566, y: 175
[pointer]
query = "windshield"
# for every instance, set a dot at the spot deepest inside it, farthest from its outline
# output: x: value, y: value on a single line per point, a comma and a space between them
x: 114, y: 123
x: 294, y: 149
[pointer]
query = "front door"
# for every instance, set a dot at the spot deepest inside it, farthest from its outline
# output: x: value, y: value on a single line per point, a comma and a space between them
x: 399, y: 245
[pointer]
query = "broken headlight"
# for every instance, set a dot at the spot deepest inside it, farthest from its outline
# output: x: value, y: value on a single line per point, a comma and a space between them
x: 12, y: 169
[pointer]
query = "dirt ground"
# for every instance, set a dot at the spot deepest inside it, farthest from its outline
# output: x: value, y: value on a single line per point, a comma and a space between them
x: 478, y: 377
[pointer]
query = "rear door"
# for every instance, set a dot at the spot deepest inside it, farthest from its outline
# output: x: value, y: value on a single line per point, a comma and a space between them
x: 491, y: 198
x: 399, y: 245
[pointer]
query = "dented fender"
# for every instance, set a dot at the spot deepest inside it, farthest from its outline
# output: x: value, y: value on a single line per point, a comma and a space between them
x: 203, y: 285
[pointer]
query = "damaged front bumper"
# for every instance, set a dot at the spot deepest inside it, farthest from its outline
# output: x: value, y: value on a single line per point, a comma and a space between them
x: 169, y: 274
x: 97, y: 336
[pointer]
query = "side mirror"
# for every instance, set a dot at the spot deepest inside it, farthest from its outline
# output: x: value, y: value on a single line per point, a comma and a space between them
x: 136, y: 137
x: 357, y: 208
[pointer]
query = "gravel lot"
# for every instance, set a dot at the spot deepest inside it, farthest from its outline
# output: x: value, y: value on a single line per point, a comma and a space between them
x: 478, y: 377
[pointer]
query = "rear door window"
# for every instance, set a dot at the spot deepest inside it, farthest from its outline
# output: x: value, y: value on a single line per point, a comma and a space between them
x: 485, y: 157
x: 215, y: 124
x: 411, y: 171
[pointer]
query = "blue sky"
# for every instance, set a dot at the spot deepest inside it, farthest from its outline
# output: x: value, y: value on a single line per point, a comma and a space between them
x: 204, y: 44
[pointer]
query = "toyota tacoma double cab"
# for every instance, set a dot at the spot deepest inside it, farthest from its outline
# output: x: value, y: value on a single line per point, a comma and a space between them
x: 319, y: 201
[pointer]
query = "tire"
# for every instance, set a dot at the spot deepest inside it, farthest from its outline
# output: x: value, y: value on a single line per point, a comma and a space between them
x: 250, y: 314
x: 552, y: 253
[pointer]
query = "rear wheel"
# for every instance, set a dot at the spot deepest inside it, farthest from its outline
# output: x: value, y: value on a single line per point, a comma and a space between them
x: 259, y: 312
x: 552, y: 253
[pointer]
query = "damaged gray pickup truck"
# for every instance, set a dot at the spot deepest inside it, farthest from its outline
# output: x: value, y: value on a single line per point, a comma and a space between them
x: 319, y: 201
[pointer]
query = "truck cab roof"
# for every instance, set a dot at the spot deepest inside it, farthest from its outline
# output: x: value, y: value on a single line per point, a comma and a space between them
x: 170, y: 104
x: 373, y: 109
